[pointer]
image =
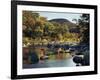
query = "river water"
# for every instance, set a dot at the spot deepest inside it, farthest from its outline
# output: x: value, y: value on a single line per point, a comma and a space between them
x: 51, y: 63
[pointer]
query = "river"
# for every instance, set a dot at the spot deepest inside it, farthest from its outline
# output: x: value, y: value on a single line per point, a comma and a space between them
x: 51, y: 63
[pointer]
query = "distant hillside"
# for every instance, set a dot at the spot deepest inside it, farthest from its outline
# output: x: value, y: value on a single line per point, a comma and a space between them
x: 64, y: 21
x: 72, y: 27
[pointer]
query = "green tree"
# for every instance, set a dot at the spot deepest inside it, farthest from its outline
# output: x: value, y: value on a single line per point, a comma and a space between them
x: 84, y: 26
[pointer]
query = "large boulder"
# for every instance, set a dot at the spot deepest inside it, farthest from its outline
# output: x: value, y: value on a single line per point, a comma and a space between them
x: 78, y: 59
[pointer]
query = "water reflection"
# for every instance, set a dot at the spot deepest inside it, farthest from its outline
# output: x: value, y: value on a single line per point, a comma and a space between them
x: 43, y: 57
x: 52, y: 63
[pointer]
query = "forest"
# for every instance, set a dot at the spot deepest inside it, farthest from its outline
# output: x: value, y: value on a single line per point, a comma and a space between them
x: 38, y: 30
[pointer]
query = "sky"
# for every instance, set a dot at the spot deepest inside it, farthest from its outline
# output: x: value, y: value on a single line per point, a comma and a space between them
x: 53, y: 15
